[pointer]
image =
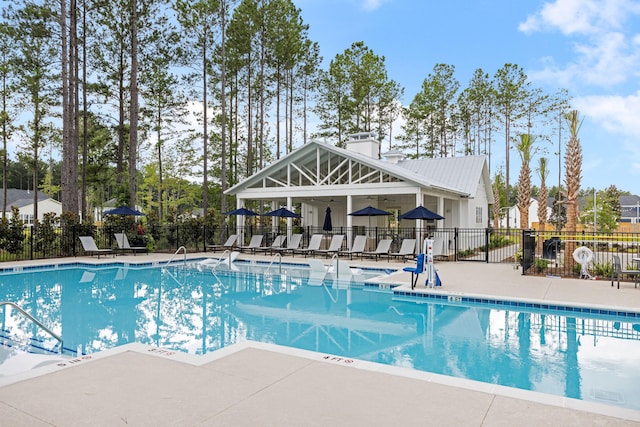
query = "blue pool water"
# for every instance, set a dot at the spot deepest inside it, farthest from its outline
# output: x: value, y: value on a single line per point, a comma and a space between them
x: 578, y: 355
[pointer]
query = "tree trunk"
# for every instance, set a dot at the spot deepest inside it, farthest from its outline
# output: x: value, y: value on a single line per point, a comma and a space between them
x: 133, y: 113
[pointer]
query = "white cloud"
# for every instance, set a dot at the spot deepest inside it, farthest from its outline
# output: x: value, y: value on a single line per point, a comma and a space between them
x: 370, y: 5
x: 609, y: 60
x: 617, y: 114
x: 581, y: 16
x: 606, y: 52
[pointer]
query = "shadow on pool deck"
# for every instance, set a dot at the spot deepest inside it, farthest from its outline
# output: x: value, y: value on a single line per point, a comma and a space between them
x: 261, y: 384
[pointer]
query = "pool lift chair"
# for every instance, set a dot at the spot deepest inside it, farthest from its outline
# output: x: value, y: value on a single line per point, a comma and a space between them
x: 415, y: 271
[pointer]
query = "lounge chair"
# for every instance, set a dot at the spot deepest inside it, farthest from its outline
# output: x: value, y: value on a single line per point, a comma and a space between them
x: 256, y: 242
x: 293, y: 244
x: 278, y: 242
x: 415, y: 271
x: 334, y: 246
x: 123, y: 244
x: 357, y: 248
x: 617, y: 271
x: 407, y: 250
x: 312, y: 247
x: 317, y: 272
x: 90, y: 247
x: 214, y: 263
x: 384, y: 246
x: 229, y: 244
x: 341, y: 272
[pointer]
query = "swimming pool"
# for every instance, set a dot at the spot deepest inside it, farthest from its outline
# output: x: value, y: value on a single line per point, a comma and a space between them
x: 579, y: 355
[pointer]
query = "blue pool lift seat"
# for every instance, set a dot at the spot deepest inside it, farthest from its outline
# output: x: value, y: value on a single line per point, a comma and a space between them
x: 415, y: 271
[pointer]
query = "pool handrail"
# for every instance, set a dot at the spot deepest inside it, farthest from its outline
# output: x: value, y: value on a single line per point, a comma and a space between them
x: 36, y: 321
x: 181, y: 248
x: 277, y: 255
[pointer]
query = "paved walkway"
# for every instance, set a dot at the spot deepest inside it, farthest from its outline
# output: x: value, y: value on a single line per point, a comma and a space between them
x: 260, y: 384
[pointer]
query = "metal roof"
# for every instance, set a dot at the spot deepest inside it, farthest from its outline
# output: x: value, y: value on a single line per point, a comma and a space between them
x: 458, y: 175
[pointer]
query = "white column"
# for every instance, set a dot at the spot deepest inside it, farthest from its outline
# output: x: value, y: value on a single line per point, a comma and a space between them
x: 289, y: 220
x: 419, y: 236
x: 274, y: 219
x: 240, y: 221
x: 349, y: 222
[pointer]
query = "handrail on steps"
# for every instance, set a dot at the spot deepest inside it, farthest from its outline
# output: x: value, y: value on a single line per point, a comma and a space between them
x: 34, y: 320
x: 278, y: 255
x: 334, y: 299
x: 181, y: 248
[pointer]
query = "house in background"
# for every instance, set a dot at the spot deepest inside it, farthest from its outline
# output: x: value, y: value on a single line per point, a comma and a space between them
x: 514, y: 214
x: 23, y: 200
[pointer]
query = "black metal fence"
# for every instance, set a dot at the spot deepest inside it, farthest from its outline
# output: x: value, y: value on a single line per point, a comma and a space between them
x: 535, y: 252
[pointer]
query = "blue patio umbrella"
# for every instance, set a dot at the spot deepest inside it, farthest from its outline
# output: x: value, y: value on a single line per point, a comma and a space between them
x: 327, y: 226
x: 370, y: 211
x: 123, y: 210
x: 420, y: 213
x: 283, y: 213
x: 242, y: 211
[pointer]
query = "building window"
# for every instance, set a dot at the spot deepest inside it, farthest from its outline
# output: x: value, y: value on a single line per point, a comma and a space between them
x: 478, y: 215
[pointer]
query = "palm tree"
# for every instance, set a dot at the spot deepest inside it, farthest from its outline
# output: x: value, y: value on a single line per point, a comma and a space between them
x: 543, y: 194
x: 525, y: 150
x: 497, y: 185
x: 573, y: 171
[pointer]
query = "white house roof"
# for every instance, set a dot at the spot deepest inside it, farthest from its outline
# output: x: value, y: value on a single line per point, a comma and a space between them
x: 462, y: 173
x: 458, y: 175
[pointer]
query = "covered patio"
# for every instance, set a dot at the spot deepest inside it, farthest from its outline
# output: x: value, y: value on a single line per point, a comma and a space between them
x: 320, y: 175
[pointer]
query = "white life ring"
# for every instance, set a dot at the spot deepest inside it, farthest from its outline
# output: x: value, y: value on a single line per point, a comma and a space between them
x: 583, y: 255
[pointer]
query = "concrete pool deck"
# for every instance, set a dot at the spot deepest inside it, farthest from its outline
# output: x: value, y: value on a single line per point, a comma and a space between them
x: 261, y: 384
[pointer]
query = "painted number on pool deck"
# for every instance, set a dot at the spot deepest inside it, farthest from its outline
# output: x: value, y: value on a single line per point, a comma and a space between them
x: 337, y: 359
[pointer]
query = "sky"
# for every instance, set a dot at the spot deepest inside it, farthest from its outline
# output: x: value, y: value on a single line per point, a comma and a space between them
x: 589, y: 47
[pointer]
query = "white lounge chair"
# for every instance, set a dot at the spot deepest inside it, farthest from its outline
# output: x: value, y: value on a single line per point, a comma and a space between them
x: 123, y: 244
x: 384, y: 246
x: 407, y: 250
x: 278, y: 242
x: 334, y: 246
x: 293, y: 244
x: 256, y: 242
x: 90, y: 247
x: 359, y: 244
x: 230, y: 243
x: 317, y: 272
x: 214, y: 263
x: 340, y: 271
x: 313, y: 247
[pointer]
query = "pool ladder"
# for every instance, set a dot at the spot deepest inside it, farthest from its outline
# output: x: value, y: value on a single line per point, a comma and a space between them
x: 34, y: 320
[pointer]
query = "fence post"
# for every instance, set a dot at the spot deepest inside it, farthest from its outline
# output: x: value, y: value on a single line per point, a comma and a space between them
x: 487, y: 239
x: 455, y: 244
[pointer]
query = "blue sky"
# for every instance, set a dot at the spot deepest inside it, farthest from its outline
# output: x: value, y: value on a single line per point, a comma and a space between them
x: 590, y: 47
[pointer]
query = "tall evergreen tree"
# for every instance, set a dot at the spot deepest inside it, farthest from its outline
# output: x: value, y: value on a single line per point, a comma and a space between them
x: 9, y: 109
x: 510, y: 92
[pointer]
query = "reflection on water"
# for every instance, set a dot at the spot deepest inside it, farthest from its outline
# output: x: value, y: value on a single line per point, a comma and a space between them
x: 196, y: 312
